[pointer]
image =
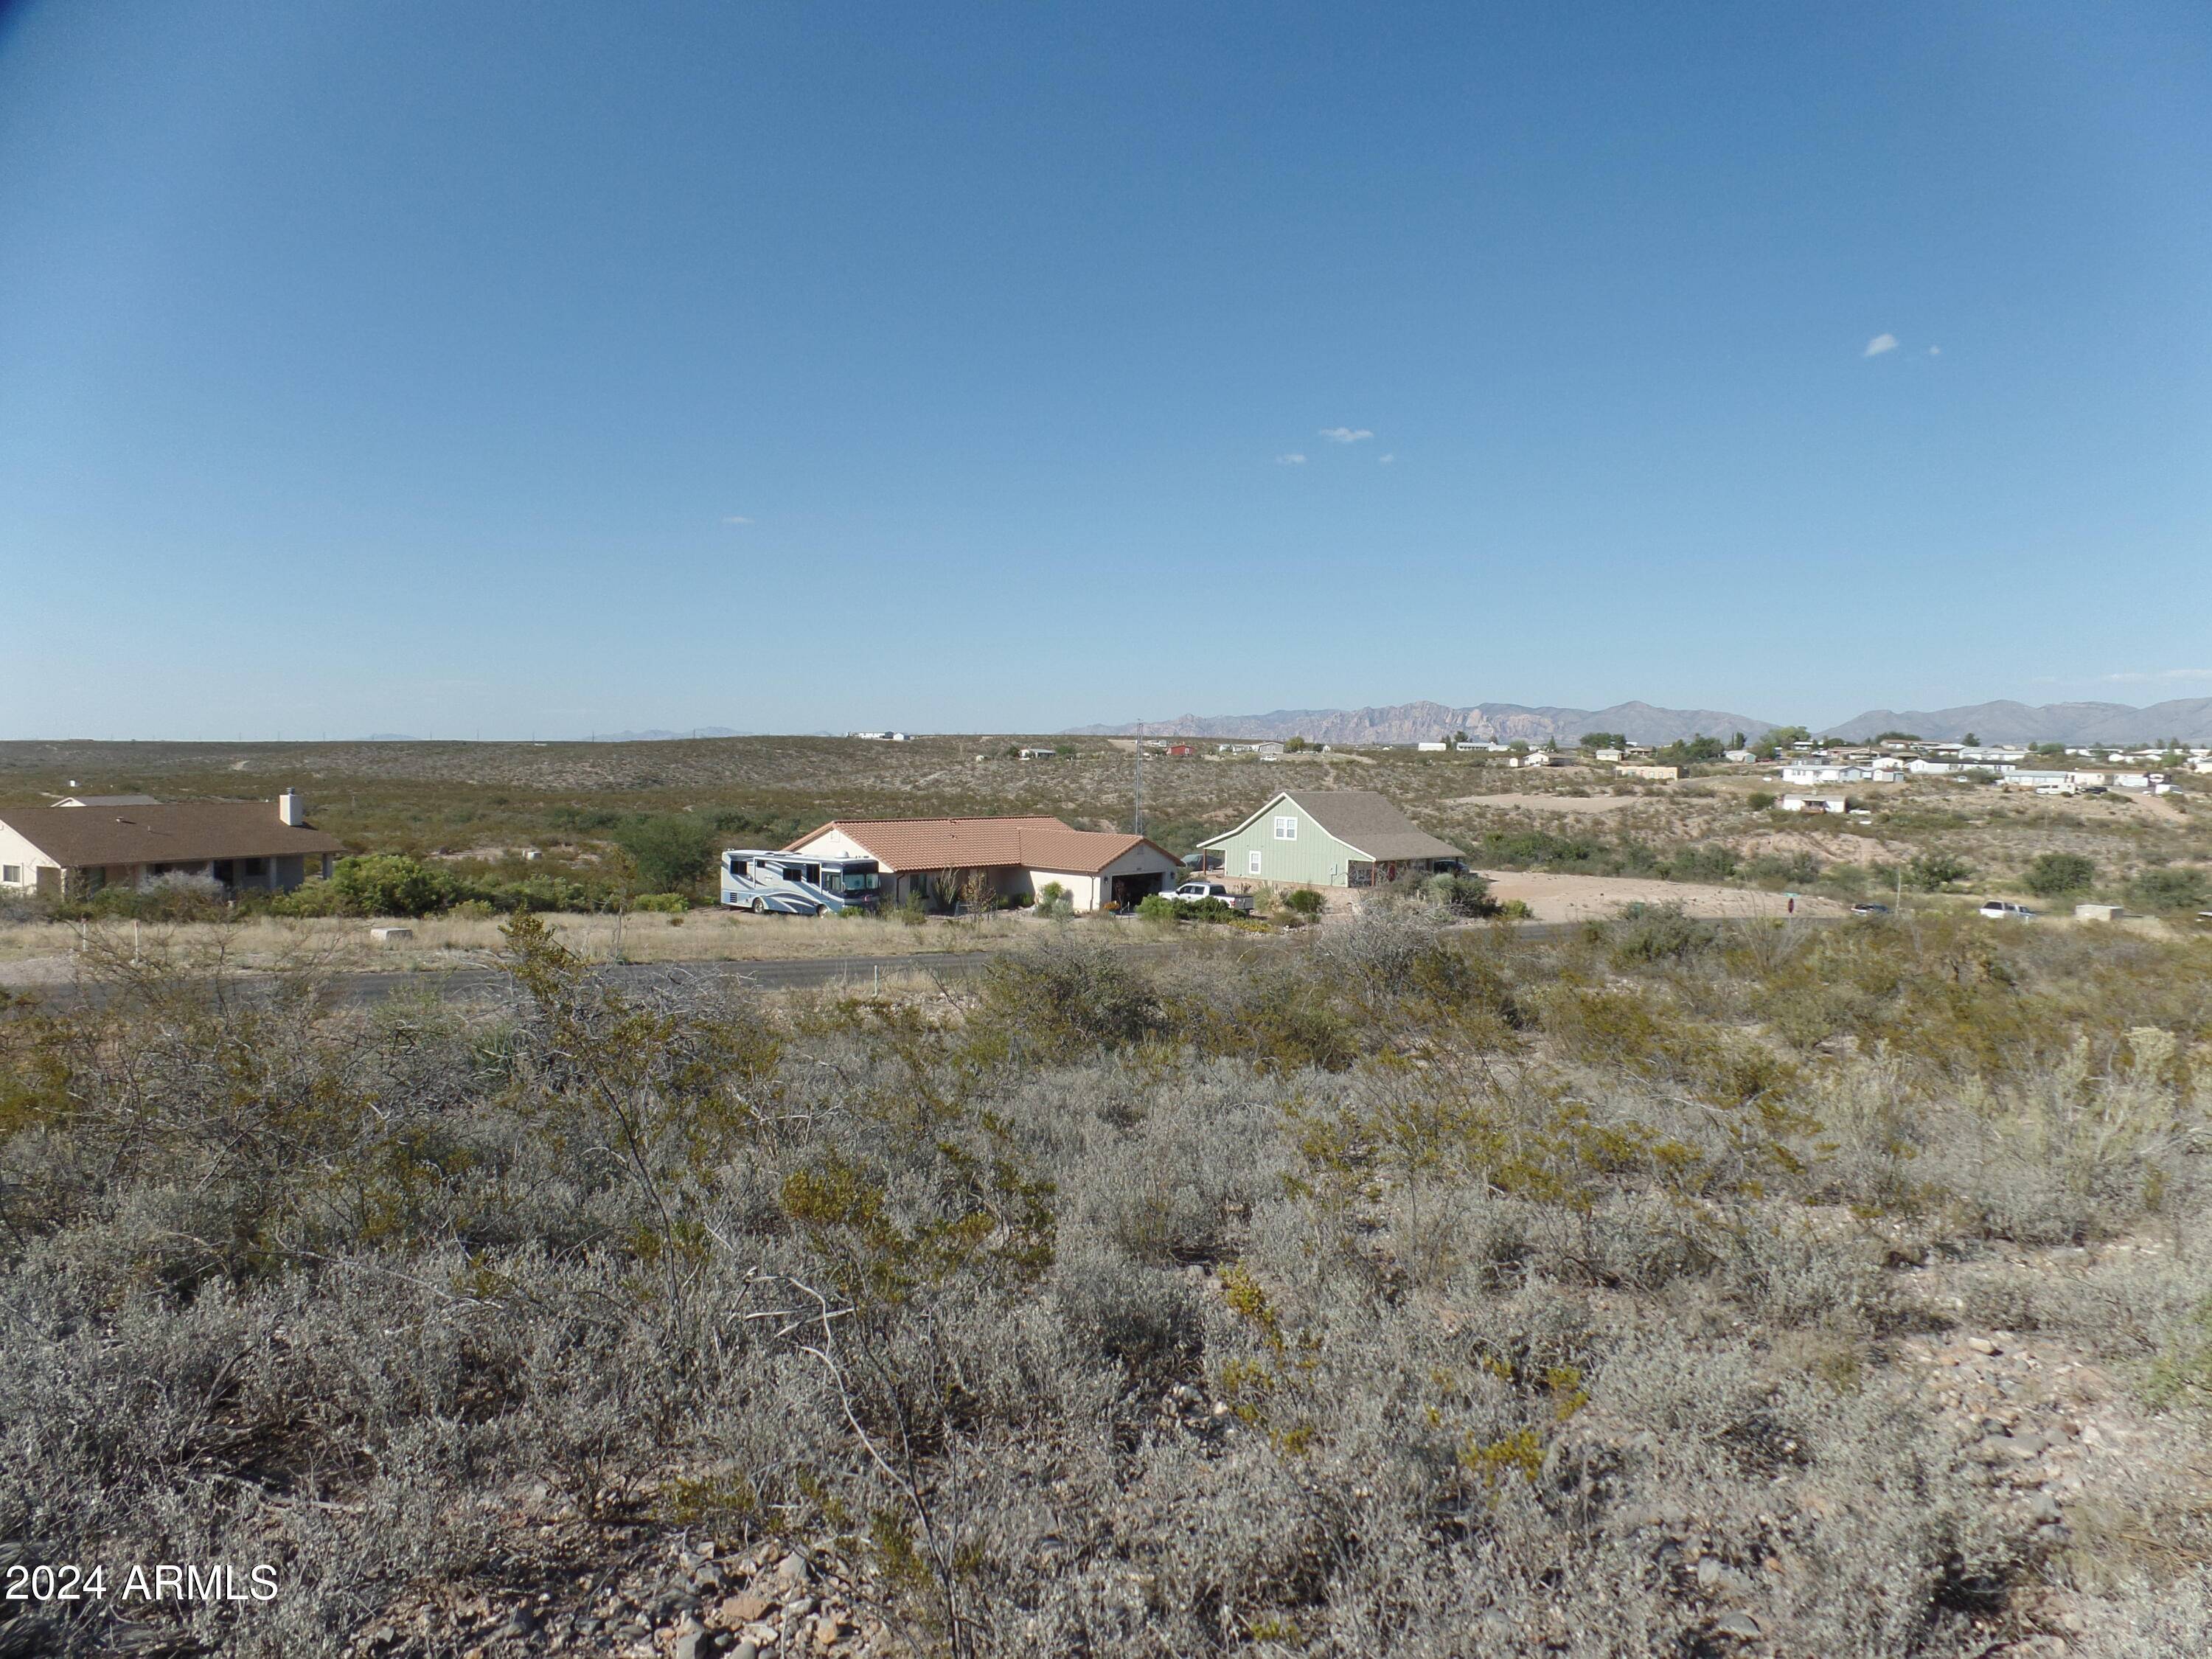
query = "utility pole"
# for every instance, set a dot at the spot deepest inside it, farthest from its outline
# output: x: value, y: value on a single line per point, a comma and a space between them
x: 1138, y: 817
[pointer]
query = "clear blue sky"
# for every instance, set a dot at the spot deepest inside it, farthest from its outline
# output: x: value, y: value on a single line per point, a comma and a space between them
x: 545, y: 369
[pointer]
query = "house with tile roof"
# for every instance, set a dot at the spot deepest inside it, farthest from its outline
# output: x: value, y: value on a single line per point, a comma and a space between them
x: 931, y: 858
x: 79, y: 849
x: 1328, y: 838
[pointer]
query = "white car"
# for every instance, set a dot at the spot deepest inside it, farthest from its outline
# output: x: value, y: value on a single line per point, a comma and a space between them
x: 1197, y: 892
x: 2006, y: 910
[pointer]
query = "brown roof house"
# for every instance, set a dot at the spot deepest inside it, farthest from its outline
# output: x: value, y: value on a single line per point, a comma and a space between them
x: 243, y: 844
x: 939, y: 857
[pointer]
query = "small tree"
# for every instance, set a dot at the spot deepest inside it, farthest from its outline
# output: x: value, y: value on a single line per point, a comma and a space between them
x: 673, y: 853
x: 979, y: 894
x: 1933, y: 872
x: 2171, y: 889
x: 388, y: 884
x: 2053, y: 873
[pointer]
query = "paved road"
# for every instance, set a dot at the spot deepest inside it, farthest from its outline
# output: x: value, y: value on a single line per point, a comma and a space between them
x: 365, y: 988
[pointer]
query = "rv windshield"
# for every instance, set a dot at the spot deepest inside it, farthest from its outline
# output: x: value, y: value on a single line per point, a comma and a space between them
x: 850, y: 881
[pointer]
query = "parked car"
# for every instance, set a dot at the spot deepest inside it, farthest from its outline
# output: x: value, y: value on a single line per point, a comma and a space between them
x: 2006, y: 910
x: 1197, y: 892
x: 1869, y: 909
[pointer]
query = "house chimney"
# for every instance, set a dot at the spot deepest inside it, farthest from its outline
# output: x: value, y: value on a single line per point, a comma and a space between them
x: 290, y: 809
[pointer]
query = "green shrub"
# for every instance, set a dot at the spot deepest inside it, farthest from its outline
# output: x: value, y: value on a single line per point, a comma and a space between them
x: 1462, y: 894
x: 2171, y: 889
x: 1758, y: 800
x: 388, y: 884
x: 666, y: 904
x: 1702, y: 864
x: 1657, y: 933
x: 1780, y: 870
x: 673, y: 853
x: 1306, y: 902
x: 2053, y: 873
x: 1937, y: 872
x: 1068, y: 996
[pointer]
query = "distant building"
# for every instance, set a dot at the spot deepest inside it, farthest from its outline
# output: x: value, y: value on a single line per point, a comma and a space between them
x: 1328, y: 838
x: 1432, y: 748
x: 883, y: 737
x: 1740, y: 757
x: 1039, y: 754
x: 78, y: 850
x: 107, y: 800
x: 1650, y: 774
x: 1814, y: 804
x: 1605, y: 754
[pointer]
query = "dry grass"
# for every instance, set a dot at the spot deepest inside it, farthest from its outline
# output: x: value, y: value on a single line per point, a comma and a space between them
x: 41, y: 953
x: 1416, y: 1292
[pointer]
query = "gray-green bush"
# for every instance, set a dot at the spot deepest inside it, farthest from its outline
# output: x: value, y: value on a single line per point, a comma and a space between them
x: 1393, y: 1289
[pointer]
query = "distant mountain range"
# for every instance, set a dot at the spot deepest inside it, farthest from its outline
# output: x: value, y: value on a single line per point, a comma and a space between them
x: 1418, y: 723
x: 2189, y: 719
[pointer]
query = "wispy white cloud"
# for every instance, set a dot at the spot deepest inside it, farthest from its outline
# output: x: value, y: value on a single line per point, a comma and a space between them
x: 737, y: 518
x: 2155, y: 676
x: 1291, y: 460
x: 1879, y: 343
x: 1384, y: 460
x: 1935, y: 351
x: 1345, y: 434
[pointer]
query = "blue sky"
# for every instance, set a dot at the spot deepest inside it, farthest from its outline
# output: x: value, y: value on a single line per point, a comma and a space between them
x: 537, y: 368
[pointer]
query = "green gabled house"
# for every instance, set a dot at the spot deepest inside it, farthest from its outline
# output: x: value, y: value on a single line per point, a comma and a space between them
x: 1328, y: 838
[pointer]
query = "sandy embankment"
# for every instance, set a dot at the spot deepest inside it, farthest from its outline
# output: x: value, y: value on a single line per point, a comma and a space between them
x: 1593, y: 898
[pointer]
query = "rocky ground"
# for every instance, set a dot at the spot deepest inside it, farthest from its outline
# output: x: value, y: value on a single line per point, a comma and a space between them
x: 645, y: 1594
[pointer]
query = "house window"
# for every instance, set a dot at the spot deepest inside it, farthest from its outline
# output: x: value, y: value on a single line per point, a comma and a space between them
x: 250, y: 866
x: 1252, y: 862
x: 1286, y: 829
x: 12, y: 874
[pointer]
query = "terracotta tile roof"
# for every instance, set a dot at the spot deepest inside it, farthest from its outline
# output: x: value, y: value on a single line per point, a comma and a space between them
x: 1028, y: 843
x: 83, y: 837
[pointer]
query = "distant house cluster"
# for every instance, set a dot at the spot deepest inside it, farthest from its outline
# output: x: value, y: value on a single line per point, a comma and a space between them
x: 2088, y: 770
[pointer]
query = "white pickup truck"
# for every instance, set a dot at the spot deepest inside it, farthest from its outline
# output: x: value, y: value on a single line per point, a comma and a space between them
x: 1196, y: 892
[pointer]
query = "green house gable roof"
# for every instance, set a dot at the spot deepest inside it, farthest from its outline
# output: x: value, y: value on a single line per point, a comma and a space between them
x: 1362, y: 820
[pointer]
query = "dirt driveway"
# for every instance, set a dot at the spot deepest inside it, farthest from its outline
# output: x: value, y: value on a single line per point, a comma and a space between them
x: 1588, y: 898
x: 1536, y: 802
